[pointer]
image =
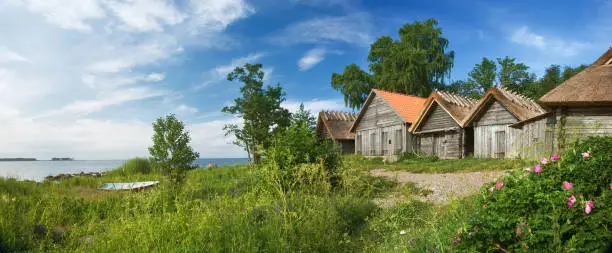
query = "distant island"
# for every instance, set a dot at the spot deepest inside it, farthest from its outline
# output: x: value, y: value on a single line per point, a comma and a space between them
x: 17, y: 159
x: 62, y: 159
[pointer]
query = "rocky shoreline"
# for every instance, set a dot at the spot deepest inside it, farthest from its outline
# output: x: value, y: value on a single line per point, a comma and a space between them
x: 69, y: 176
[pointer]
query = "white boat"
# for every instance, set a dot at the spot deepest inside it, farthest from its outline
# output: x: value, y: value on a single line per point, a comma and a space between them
x: 128, y: 186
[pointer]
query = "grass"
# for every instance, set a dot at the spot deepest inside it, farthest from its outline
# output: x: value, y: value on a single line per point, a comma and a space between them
x: 230, y: 209
x: 430, y: 165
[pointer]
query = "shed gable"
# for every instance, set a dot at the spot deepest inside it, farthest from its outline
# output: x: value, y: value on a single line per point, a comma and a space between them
x: 495, y: 114
x: 437, y: 119
x: 379, y: 113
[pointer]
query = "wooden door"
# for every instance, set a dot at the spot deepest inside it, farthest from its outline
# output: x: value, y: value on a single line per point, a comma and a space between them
x: 500, y: 144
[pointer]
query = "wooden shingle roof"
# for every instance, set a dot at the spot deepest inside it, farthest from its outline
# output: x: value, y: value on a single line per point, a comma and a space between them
x: 338, y: 124
x: 458, y: 107
x: 521, y: 107
x: 591, y: 86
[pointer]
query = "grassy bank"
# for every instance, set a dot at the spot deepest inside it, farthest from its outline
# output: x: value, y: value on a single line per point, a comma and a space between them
x: 433, y: 165
x: 229, y: 209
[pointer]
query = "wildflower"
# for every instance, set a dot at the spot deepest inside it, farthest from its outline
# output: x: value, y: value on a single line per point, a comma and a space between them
x: 522, y: 224
x: 567, y: 185
x: 544, y: 161
x: 491, y: 189
x: 586, y: 155
x: 528, y: 169
x: 537, y: 169
x: 555, y: 157
x: 469, y: 233
x: 571, y: 202
x: 589, y: 206
x: 499, y: 185
x: 456, y: 240
x: 518, y: 231
x: 610, y: 186
x: 484, y: 206
x: 403, y: 232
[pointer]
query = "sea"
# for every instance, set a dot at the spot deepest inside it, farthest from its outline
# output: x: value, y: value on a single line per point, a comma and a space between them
x: 38, y: 170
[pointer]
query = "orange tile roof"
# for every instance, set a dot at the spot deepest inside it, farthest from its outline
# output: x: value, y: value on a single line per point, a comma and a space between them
x: 406, y: 105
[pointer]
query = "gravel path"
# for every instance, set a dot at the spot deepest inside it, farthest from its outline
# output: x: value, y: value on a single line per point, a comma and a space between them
x: 445, y: 186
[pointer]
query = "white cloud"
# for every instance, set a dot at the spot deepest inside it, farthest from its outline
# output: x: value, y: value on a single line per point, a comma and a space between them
x: 68, y: 14
x: 220, y: 72
x: 316, y: 105
x: 72, y: 66
x: 7, y: 56
x: 217, y: 15
x: 311, y: 58
x: 145, y: 15
x: 155, y: 77
x: 117, y: 97
x: 553, y: 46
x: 186, y: 108
x: 353, y: 29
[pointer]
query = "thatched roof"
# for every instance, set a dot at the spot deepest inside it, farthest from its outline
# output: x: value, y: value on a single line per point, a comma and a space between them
x: 458, y: 107
x: 407, y: 107
x: 521, y: 107
x: 591, y: 86
x: 338, y: 124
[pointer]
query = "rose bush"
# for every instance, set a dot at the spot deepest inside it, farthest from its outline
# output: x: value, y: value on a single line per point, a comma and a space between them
x: 563, y: 205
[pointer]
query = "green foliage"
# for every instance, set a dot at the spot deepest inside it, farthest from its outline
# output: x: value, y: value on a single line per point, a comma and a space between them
x: 171, y: 152
x: 295, y: 147
x: 552, y: 78
x: 483, y: 75
x: 259, y: 108
x: 136, y: 165
x: 532, y: 212
x: 415, y: 64
x: 431, y: 164
x: 504, y: 71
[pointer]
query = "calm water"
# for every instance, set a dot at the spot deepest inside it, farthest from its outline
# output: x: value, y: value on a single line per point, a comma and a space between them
x: 38, y: 170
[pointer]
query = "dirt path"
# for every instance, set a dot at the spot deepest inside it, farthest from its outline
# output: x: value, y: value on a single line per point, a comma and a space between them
x: 445, y: 186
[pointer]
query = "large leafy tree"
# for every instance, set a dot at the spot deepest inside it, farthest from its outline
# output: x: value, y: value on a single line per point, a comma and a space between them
x: 553, y: 76
x: 171, y: 151
x: 416, y: 64
x: 503, y: 71
x: 259, y: 108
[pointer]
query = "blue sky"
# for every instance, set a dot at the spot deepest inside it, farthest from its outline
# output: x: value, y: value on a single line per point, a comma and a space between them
x: 85, y: 78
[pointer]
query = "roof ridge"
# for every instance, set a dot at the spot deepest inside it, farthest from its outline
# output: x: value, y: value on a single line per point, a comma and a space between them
x: 393, y: 92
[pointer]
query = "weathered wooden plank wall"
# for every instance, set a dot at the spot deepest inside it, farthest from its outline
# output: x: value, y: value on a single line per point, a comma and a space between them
x: 445, y: 135
x: 533, y: 140
x: 492, y: 135
x: 381, y: 121
x: 575, y: 122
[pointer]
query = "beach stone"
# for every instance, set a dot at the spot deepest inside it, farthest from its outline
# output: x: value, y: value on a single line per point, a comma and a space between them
x: 40, y: 230
x: 59, y: 233
x: 211, y: 166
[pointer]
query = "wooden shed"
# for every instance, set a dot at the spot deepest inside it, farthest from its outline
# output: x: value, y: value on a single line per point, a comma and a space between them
x: 491, y: 117
x: 439, y: 127
x: 582, y: 105
x: 336, y: 126
x: 381, y: 128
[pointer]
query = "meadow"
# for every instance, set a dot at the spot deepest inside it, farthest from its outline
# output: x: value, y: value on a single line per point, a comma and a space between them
x: 245, y: 208
x: 227, y: 209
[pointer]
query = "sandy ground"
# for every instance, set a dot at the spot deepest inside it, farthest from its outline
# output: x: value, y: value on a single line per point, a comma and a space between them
x: 445, y: 186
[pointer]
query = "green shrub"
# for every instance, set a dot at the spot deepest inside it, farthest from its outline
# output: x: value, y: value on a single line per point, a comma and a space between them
x: 533, y: 210
x: 136, y: 165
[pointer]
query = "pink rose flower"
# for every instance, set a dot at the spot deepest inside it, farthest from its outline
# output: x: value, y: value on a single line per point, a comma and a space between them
x: 589, y: 207
x: 544, y: 161
x: 491, y: 189
x: 567, y: 185
x: 570, y: 205
x: 610, y: 186
x: 518, y: 231
x: 572, y: 199
x: 555, y: 157
x: 499, y: 185
x: 522, y: 224
x: 456, y: 240
x: 586, y: 155
x: 537, y: 169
